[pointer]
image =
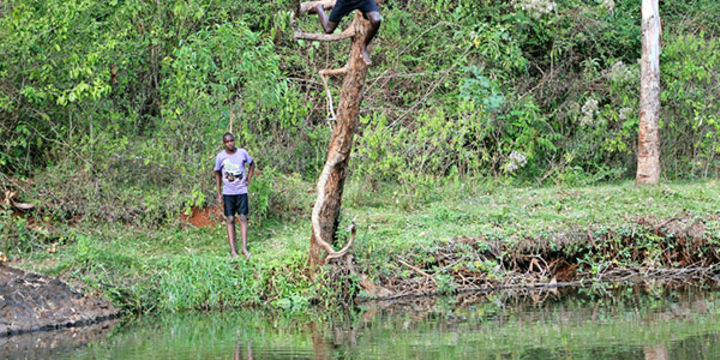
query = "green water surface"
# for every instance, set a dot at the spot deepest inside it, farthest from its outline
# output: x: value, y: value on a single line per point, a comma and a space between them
x: 640, y: 322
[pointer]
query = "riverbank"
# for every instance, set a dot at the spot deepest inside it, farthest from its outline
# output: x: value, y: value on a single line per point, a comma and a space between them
x: 31, y: 302
x: 446, y: 237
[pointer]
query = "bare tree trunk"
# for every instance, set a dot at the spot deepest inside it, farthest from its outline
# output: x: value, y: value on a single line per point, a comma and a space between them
x: 332, y: 179
x: 648, y: 165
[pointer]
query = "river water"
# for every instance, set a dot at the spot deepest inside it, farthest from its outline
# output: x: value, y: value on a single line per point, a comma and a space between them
x: 638, y: 322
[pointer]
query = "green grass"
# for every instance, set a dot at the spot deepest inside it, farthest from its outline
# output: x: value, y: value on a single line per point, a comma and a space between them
x: 180, y: 268
x: 514, y: 214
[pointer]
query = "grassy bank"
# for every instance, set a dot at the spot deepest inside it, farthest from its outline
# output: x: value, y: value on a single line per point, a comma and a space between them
x: 494, y: 230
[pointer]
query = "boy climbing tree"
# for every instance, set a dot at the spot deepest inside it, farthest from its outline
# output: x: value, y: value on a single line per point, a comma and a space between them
x: 369, y: 9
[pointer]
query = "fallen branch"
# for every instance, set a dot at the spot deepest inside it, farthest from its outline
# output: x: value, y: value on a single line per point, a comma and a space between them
x: 9, y: 201
x: 659, y: 226
x: 416, y: 269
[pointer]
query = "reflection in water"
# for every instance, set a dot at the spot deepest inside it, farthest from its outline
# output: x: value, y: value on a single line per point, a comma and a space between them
x: 658, y: 352
x: 318, y: 341
x: 237, y: 355
x: 624, y: 323
x: 43, y: 344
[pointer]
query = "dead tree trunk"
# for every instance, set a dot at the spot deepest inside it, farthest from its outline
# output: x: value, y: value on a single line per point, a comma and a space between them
x: 332, y: 179
x: 648, y: 162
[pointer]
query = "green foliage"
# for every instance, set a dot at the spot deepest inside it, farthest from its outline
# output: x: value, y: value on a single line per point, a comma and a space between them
x: 178, y: 270
x: 117, y: 107
x: 16, y: 236
x: 558, y: 89
x: 691, y: 126
x: 445, y: 283
x: 336, y: 287
x: 175, y: 269
x: 21, y: 233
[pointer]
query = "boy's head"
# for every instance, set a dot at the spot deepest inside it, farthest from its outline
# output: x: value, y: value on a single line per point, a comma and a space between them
x: 228, y: 141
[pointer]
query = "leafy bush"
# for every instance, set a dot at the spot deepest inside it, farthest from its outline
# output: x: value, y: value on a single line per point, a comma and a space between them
x: 114, y: 110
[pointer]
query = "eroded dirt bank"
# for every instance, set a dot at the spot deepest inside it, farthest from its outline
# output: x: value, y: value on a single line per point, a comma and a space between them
x: 31, y: 302
x: 678, y: 250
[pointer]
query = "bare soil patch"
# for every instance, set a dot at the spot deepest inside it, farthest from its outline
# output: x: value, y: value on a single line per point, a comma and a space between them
x: 203, y: 217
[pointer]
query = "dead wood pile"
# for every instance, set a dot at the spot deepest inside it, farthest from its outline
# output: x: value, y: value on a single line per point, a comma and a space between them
x: 677, y: 249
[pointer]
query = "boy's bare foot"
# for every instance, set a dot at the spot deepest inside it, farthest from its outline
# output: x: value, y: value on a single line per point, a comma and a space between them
x: 247, y: 254
x: 366, y: 56
x: 234, y: 256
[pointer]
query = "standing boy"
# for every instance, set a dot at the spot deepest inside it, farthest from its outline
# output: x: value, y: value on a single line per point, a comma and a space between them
x: 230, y: 171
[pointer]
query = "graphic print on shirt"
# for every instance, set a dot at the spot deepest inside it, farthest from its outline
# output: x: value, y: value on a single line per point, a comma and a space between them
x: 232, y: 171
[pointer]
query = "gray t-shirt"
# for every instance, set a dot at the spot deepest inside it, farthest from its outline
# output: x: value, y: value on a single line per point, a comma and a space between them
x: 232, y: 169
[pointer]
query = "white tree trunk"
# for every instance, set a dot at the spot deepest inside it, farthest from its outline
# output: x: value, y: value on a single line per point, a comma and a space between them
x: 648, y: 165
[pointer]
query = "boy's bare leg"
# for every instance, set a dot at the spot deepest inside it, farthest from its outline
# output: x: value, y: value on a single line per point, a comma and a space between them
x: 230, y: 226
x: 243, y: 236
x: 375, y: 21
x: 328, y: 26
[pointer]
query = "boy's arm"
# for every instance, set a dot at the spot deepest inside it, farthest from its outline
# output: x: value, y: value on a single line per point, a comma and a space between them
x: 218, y: 185
x: 251, y: 171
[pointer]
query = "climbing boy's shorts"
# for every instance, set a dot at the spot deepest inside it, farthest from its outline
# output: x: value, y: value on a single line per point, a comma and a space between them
x: 344, y: 7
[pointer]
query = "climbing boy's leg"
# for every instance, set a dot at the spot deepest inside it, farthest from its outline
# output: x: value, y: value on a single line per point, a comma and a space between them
x: 328, y: 26
x: 370, y: 10
x: 375, y: 21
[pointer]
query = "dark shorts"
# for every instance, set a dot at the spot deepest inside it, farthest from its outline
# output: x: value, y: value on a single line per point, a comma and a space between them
x: 235, y: 204
x: 344, y: 7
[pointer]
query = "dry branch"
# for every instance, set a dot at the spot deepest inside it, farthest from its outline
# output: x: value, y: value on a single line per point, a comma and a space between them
x: 301, y: 35
x: 659, y: 226
x: 323, y: 75
x: 9, y: 200
x: 414, y: 268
